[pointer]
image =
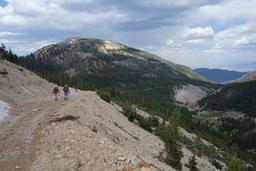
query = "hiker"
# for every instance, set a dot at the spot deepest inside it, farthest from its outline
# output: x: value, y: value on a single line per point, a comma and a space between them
x: 56, y: 92
x: 66, y: 91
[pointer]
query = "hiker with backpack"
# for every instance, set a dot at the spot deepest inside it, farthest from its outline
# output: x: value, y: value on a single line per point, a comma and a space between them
x: 55, y: 92
x: 66, y: 91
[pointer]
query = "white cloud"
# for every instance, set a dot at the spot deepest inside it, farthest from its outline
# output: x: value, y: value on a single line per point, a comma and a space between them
x: 196, y: 41
x: 198, y: 32
x: 50, y: 14
x: 28, y: 47
x: 6, y: 33
x: 173, y: 44
x: 237, y: 36
x: 227, y: 10
x: 10, y: 42
x: 169, y: 3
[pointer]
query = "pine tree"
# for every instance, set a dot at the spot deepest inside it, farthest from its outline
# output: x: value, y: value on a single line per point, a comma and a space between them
x: 173, y: 148
x: 234, y: 164
x: 192, y: 164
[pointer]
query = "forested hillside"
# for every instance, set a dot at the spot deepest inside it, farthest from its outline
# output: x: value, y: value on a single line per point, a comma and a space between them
x: 233, y: 97
x: 234, y: 105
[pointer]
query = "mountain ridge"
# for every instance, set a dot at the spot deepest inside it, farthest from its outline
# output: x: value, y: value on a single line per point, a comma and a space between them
x: 250, y: 76
x: 219, y: 75
x: 108, y: 47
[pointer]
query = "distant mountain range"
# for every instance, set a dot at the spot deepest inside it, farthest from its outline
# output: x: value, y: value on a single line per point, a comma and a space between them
x: 219, y: 75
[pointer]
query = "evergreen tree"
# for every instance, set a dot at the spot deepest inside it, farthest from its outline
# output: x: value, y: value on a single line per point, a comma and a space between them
x: 192, y: 164
x: 234, y: 164
x: 173, y: 148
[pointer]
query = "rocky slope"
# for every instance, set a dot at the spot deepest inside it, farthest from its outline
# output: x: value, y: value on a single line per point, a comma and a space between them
x: 83, y: 133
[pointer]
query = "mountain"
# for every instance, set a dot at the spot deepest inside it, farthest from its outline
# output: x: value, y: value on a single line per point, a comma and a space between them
x: 75, y: 50
x: 139, y: 76
x: 219, y: 75
x: 250, y: 76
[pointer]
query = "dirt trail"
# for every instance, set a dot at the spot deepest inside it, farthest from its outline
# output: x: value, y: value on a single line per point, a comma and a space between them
x: 17, y: 133
x: 51, y: 140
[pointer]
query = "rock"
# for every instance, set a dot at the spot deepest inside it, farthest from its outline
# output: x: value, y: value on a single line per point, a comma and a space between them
x: 145, y: 169
x: 143, y: 164
x: 67, y: 148
x: 120, y: 158
x: 132, y: 160
x: 58, y: 156
x: 3, y: 71
x: 116, y: 140
x: 18, y: 167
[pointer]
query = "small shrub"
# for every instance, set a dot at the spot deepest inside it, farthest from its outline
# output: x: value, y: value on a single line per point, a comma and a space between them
x: 155, y: 122
x: 216, y: 164
x: 116, y: 124
x: 104, y: 95
x: 145, y: 123
x: 94, y: 129
x: 131, y: 117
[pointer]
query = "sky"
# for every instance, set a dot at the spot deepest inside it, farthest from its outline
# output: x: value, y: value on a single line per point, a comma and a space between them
x: 196, y: 33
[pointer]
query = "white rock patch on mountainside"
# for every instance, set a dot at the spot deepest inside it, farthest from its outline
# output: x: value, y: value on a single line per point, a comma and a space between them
x: 189, y: 94
x: 4, y: 109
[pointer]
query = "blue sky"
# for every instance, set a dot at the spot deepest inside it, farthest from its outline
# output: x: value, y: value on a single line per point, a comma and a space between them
x: 196, y: 33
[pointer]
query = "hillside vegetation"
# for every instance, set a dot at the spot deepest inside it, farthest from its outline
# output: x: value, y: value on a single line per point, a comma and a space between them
x: 234, y: 107
x: 233, y: 97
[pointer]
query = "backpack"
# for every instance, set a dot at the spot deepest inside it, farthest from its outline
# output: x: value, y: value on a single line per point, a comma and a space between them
x: 55, y: 90
x: 65, y: 89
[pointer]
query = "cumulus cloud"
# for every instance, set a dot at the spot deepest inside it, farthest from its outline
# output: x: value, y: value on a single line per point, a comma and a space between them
x: 51, y: 14
x: 198, y: 32
x: 173, y: 44
x: 196, y: 41
x: 228, y: 10
x: 236, y: 36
